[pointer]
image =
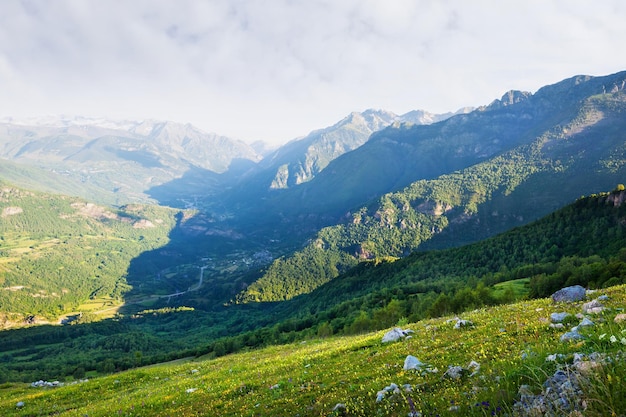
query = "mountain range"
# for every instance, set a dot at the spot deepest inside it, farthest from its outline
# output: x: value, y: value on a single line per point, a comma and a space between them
x: 191, y: 242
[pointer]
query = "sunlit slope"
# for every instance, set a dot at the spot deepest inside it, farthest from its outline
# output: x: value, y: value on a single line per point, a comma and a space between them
x: 511, y: 344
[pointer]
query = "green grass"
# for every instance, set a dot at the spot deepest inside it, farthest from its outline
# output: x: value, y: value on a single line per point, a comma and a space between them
x: 309, y: 378
x: 518, y: 286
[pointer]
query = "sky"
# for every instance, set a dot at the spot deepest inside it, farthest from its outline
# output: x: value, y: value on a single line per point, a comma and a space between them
x: 274, y: 70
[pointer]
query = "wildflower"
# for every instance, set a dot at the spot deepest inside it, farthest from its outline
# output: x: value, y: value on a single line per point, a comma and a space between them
x: 623, y: 341
x: 613, y: 339
x: 602, y: 336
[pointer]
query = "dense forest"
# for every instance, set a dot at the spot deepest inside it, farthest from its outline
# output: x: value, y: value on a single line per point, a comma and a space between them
x: 580, y: 244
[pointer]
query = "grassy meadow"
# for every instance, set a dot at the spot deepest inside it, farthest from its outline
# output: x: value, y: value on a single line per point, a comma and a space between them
x: 310, y: 378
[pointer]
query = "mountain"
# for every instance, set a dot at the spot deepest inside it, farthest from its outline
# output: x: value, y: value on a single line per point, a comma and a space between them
x: 301, y: 160
x: 268, y: 195
x: 120, y: 161
x: 460, y: 180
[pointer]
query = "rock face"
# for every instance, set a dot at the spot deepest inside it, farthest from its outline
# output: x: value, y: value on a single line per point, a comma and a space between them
x: 569, y: 294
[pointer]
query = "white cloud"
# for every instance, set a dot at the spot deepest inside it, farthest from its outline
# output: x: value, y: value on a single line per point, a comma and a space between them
x: 278, y: 69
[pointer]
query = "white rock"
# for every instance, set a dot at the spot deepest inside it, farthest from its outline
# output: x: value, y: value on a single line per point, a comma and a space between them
x: 463, y: 323
x: 411, y: 362
x: 395, y: 334
x: 558, y: 317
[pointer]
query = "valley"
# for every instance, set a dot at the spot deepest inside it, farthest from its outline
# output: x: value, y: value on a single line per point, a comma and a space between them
x: 124, y: 245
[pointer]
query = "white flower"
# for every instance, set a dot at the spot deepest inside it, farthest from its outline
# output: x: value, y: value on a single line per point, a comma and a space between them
x: 623, y: 341
x: 602, y: 336
x: 613, y: 339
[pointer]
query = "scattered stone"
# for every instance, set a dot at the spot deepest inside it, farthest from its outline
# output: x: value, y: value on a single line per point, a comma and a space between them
x: 569, y: 294
x: 603, y: 297
x: 47, y: 384
x: 474, y: 367
x: 571, y: 336
x: 190, y: 390
x: 454, y: 372
x: 593, y: 307
x: 557, y: 326
x: 620, y: 318
x: 558, y: 317
x: 561, y: 395
x: 20, y: 404
x: 463, y: 323
x: 396, y: 334
x: 194, y: 371
x: 554, y: 357
x: 339, y: 407
x: 389, y: 388
x: 411, y: 362
x: 586, y: 323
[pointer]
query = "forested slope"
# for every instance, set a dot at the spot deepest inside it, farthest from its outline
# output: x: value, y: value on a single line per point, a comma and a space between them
x: 585, y: 152
x: 56, y: 252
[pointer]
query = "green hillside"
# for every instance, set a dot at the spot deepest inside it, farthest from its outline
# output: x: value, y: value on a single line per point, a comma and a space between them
x: 504, y: 359
x: 57, y: 252
x: 580, y: 244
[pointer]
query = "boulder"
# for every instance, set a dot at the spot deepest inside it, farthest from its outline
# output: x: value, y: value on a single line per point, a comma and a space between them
x: 586, y: 323
x: 558, y: 317
x: 411, y: 362
x: 569, y: 294
x: 454, y: 372
x: 396, y: 334
x: 571, y: 336
x: 593, y: 307
x: 463, y: 323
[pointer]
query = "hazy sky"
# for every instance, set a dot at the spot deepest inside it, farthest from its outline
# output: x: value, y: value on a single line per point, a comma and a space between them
x: 277, y: 69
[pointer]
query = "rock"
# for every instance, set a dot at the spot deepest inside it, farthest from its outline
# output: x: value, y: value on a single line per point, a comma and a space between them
x: 454, y: 372
x: 557, y: 326
x: 411, y: 362
x: 339, y: 407
x: 463, y: 323
x: 569, y: 294
x: 396, y: 334
x: 474, y: 367
x: 571, y: 336
x: 190, y: 390
x: 586, y: 323
x: 593, y: 307
x: 561, y: 395
x: 620, y: 318
x: 603, y: 297
x: 558, y: 317
x: 20, y: 404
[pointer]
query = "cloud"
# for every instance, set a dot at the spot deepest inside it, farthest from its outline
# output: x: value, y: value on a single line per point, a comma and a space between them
x: 277, y: 69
